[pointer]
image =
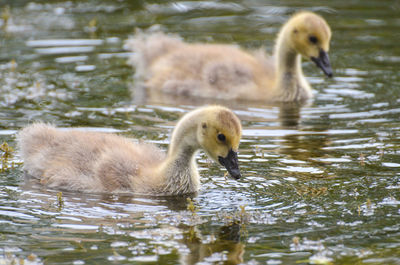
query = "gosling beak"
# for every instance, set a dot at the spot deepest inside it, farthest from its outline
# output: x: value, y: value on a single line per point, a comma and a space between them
x: 230, y: 162
x: 323, y: 62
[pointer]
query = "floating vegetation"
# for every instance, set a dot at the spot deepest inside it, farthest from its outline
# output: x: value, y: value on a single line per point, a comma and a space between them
x: 7, y: 151
x: 240, y: 219
x: 5, y: 16
x: 194, y: 218
x: 92, y: 28
x: 93, y: 24
x: 19, y: 85
x: 6, y: 156
x: 192, y: 236
x: 258, y: 151
x: 361, y: 158
x: 60, y: 201
x: 13, y: 65
x: 296, y: 242
x: 243, y: 215
x: 12, y: 259
x: 191, y: 207
x: 368, y: 204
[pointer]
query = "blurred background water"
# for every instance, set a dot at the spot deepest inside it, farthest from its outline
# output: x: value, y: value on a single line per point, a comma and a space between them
x: 321, y: 182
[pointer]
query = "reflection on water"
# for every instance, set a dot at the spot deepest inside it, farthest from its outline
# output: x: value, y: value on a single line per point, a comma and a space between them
x: 226, y: 247
x: 321, y: 181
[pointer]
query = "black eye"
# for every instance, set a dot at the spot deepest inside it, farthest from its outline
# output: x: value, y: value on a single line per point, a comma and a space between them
x: 313, y: 39
x: 221, y: 137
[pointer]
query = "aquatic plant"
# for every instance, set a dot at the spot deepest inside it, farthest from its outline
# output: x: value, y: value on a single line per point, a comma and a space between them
x: 191, y: 207
x: 11, y: 258
x: 6, y: 154
x: 92, y: 28
x: 5, y: 16
x: 60, y: 201
x: 362, y: 159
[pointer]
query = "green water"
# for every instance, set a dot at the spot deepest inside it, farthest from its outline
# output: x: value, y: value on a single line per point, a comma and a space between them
x: 321, y: 182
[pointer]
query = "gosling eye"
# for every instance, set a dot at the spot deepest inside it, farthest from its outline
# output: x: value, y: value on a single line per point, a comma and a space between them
x: 221, y: 137
x: 313, y: 39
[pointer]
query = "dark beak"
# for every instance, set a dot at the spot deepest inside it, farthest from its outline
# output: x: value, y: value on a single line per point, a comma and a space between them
x: 230, y: 162
x: 323, y: 62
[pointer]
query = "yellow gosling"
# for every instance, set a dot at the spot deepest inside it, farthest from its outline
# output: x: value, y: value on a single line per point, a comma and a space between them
x: 169, y: 65
x: 100, y: 162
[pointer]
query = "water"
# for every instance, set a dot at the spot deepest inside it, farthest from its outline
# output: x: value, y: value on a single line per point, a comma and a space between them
x: 321, y: 182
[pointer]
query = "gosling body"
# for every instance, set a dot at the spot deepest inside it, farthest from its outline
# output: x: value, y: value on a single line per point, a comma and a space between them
x: 100, y: 162
x: 165, y: 63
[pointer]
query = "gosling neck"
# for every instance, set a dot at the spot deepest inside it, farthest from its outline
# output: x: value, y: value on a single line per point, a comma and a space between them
x: 290, y: 79
x: 180, y: 168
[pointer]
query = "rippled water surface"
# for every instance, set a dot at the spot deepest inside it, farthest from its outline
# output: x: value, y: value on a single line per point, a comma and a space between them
x: 321, y: 182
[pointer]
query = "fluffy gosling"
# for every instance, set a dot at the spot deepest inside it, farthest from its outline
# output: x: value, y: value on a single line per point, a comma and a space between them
x: 169, y: 65
x: 100, y: 162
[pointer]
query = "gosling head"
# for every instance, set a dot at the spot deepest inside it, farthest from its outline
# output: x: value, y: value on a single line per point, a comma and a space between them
x: 219, y: 135
x: 310, y: 36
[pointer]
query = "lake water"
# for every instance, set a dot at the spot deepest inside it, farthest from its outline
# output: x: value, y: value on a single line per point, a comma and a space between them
x: 321, y: 182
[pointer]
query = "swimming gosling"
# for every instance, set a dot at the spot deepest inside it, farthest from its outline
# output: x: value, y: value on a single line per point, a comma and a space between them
x: 100, y: 162
x: 169, y: 65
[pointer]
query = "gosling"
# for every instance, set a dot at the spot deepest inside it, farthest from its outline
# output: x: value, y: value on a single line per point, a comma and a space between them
x: 165, y: 63
x: 107, y: 163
